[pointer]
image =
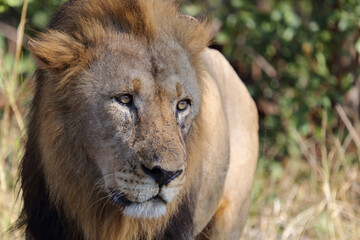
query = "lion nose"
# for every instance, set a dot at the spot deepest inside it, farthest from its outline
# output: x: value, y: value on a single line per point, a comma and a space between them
x: 161, y: 176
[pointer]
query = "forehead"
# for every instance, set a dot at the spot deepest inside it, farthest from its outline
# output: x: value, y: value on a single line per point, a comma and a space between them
x: 171, y: 63
x: 128, y: 61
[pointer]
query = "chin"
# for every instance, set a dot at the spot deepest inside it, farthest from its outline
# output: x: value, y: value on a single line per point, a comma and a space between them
x: 153, y: 208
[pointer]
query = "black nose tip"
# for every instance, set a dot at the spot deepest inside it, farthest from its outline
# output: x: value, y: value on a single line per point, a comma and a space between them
x: 161, y: 176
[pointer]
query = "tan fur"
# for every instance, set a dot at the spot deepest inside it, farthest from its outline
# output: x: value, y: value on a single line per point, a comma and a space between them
x: 136, y: 85
x: 89, y: 143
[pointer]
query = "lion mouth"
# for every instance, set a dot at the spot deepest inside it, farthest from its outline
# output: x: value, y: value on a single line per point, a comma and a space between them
x: 121, y: 200
x: 118, y: 199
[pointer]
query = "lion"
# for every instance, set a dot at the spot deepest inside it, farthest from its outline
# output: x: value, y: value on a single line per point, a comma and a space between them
x: 137, y: 130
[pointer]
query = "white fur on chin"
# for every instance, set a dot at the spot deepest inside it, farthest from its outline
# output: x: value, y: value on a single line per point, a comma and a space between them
x: 149, y: 209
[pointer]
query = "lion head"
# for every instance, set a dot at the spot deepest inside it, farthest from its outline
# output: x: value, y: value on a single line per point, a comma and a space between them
x: 134, y: 121
x: 118, y: 90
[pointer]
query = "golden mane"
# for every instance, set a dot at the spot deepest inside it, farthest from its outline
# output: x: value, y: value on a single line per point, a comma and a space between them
x: 66, y: 48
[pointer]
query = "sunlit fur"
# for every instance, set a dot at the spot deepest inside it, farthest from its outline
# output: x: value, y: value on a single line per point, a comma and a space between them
x: 83, y: 37
x: 150, y: 210
x: 85, y: 148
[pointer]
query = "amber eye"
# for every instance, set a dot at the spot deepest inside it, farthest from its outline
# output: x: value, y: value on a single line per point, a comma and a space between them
x: 183, y: 105
x: 124, y: 99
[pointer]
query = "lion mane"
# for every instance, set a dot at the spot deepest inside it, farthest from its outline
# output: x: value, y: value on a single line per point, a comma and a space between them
x: 86, y: 164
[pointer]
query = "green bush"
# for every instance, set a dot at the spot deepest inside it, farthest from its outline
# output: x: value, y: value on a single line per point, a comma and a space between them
x: 38, y: 14
x: 298, y: 58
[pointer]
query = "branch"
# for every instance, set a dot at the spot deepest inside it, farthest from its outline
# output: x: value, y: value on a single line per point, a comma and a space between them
x: 10, y: 33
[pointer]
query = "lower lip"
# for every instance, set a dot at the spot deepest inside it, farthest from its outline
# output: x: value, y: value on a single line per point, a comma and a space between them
x: 122, y: 201
x: 158, y: 199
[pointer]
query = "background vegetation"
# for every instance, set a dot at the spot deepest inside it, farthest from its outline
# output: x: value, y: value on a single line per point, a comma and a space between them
x: 300, y: 61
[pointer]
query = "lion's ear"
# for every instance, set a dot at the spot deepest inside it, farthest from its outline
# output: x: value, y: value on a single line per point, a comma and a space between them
x: 198, y: 33
x: 57, y: 52
x: 190, y: 19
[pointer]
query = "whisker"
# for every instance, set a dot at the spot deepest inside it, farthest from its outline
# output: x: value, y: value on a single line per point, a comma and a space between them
x: 97, y: 201
x: 102, y: 208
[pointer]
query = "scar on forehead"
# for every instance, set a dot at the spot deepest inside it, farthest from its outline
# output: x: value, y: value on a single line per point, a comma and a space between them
x: 136, y: 84
x: 178, y: 89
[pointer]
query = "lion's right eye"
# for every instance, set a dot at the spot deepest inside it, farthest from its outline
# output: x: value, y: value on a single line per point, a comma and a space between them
x: 183, y: 105
x: 125, y: 99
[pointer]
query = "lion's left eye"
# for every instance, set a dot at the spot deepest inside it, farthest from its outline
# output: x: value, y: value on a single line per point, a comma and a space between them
x: 124, y: 99
x: 183, y: 105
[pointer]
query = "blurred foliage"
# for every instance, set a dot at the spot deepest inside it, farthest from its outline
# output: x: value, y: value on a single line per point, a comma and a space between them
x: 298, y: 58
x: 38, y: 15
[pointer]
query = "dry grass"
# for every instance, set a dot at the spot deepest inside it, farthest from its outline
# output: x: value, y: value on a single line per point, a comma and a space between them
x: 12, y: 96
x: 315, y: 195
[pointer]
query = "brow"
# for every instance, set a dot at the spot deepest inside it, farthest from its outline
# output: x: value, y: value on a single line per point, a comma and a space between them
x: 136, y: 84
x: 178, y: 89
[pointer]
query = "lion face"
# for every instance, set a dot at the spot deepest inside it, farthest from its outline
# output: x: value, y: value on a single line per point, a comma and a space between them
x: 137, y: 108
